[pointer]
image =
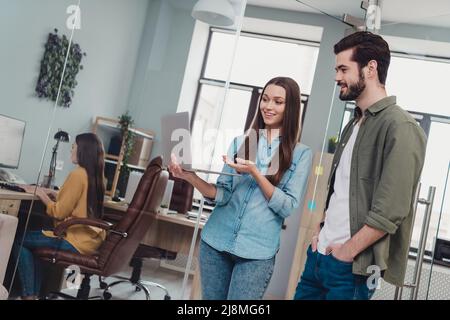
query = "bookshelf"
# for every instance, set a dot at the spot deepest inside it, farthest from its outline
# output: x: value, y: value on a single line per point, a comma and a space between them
x: 108, y: 130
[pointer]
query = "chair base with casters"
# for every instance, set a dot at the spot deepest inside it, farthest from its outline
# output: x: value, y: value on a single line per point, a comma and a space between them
x: 142, y: 252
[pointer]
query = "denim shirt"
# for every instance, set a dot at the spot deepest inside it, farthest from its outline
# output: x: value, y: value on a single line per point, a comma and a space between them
x: 244, y: 222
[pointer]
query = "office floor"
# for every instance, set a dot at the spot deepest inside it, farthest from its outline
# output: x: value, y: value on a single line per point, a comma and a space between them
x: 151, y: 271
x: 172, y: 280
x: 439, y: 284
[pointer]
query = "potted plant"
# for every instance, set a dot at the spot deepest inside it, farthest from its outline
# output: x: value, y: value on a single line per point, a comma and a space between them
x: 125, y: 123
x: 332, y: 144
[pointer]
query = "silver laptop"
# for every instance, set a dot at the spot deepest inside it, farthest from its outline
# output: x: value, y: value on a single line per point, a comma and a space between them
x: 176, y: 139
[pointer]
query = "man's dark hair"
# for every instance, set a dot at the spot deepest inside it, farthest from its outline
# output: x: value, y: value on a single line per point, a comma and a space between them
x: 367, y: 46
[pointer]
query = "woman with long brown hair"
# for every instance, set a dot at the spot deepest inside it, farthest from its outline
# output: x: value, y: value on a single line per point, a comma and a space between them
x: 81, y: 196
x: 242, y: 235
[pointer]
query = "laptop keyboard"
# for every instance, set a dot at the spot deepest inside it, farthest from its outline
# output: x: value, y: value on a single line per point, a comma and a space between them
x: 11, y: 187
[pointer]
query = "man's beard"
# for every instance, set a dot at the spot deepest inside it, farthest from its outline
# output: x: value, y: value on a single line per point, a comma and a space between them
x: 353, y: 90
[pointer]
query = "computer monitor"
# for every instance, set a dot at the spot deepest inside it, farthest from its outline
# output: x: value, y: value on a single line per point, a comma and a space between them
x: 11, y: 138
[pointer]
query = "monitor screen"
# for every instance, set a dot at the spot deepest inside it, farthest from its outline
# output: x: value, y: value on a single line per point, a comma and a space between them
x: 11, y: 138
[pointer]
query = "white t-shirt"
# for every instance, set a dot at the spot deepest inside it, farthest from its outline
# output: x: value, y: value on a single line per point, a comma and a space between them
x: 337, y: 218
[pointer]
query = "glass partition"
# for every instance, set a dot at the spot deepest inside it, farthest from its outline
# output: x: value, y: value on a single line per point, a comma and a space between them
x: 435, y: 285
x: 40, y: 62
x: 133, y: 62
x: 419, y: 47
x: 417, y: 36
x: 141, y: 54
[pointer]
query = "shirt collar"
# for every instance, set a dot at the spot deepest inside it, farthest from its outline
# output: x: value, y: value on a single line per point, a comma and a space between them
x: 378, y: 106
x: 263, y: 133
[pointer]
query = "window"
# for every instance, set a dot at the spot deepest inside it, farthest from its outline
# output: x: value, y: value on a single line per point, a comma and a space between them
x: 258, y: 59
x: 420, y: 85
x: 428, y: 102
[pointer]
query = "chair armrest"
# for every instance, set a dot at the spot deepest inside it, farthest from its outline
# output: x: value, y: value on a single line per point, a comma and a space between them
x: 112, y: 217
x: 62, y: 227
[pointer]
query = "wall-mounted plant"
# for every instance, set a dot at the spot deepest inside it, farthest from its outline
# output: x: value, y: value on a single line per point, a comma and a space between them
x: 52, y: 66
x: 125, y: 123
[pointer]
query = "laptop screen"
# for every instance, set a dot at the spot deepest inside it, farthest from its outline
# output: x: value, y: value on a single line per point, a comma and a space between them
x: 176, y: 139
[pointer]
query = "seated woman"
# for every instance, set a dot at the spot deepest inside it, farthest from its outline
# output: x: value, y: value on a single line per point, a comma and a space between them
x: 81, y: 196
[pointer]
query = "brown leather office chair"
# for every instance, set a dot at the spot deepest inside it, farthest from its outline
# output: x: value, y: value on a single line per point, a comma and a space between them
x: 181, y: 202
x: 182, y: 195
x: 122, y: 238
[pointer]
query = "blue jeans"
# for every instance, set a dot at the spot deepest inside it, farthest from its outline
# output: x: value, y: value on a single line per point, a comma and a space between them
x: 29, y: 267
x: 225, y: 276
x: 326, y: 278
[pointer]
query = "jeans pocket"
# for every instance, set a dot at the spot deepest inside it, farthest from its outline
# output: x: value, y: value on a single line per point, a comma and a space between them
x: 346, y: 263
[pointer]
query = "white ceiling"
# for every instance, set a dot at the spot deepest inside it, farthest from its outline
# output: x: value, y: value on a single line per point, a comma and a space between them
x: 421, y: 12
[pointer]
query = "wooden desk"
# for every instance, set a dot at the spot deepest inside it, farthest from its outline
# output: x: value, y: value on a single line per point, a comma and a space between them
x: 171, y: 232
x: 10, y: 201
x: 16, y: 204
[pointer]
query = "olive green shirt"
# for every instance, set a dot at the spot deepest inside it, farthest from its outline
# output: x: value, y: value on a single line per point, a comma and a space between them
x: 386, y: 164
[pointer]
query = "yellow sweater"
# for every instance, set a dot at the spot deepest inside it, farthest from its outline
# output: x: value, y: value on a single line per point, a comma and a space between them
x: 71, y: 202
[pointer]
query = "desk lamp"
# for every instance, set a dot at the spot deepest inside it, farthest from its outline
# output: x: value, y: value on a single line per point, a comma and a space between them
x: 60, y: 136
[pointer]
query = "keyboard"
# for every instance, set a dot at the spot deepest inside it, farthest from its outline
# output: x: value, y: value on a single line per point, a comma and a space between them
x: 11, y: 187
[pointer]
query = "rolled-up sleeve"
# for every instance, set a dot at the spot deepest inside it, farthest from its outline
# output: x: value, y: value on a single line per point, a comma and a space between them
x: 403, y: 158
x: 284, y: 200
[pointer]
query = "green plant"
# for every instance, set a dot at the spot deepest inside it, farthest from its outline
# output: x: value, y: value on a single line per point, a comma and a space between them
x: 125, y: 123
x: 332, y: 143
x: 52, y: 66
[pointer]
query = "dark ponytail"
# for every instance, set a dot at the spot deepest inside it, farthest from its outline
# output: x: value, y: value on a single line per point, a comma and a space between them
x: 90, y: 156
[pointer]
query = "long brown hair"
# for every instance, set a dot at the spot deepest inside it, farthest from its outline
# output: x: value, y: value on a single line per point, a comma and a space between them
x: 90, y: 156
x: 290, y: 129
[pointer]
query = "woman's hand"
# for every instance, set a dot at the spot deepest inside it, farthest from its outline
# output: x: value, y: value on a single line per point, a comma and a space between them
x: 51, y: 194
x: 247, y: 166
x: 28, y: 188
x: 242, y: 165
x: 40, y: 192
x: 177, y: 171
